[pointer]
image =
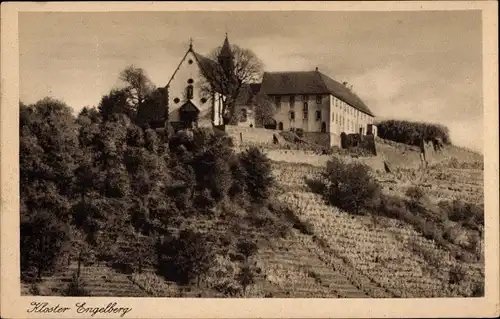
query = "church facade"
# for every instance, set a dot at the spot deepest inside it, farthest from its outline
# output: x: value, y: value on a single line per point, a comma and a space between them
x: 189, y: 103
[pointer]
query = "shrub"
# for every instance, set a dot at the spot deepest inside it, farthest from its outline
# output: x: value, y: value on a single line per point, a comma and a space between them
x: 247, y: 248
x: 350, y: 186
x: 258, y: 174
x: 411, y: 132
x: 246, y: 277
x: 76, y: 288
x: 415, y: 193
x: 186, y: 257
x: 469, y: 214
x: 286, y: 213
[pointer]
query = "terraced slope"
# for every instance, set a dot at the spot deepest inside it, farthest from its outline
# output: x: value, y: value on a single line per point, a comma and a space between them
x: 390, y: 253
x: 99, y: 280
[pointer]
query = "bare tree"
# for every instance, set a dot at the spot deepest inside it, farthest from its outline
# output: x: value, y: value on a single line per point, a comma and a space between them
x: 138, y: 85
x: 228, y: 78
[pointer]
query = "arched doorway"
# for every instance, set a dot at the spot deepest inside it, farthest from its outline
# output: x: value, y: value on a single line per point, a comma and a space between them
x: 323, y: 127
x: 280, y: 126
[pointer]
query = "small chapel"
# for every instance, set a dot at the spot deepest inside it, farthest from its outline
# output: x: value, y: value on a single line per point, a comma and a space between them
x: 190, y: 103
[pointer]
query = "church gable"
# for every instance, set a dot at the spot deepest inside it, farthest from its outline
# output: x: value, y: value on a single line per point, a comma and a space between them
x: 185, y: 86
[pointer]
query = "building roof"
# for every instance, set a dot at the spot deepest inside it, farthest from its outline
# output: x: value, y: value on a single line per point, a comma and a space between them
x: 310, y: 82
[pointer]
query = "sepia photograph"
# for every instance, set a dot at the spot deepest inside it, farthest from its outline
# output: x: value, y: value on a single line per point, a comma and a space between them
x: 249, y: 155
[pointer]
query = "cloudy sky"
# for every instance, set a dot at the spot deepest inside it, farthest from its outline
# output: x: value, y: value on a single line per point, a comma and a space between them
x: 411, y: 65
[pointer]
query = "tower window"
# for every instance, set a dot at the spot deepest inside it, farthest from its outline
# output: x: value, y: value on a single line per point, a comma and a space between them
x: 176, y: 100
x: 190, y: 61
x: 318, y: 115
x: 190, y: 81
x: 292, y: 115
x: 189, y: 92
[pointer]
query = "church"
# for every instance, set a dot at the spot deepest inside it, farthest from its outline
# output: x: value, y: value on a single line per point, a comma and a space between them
x: 189, y: 102
x: 309, y: 101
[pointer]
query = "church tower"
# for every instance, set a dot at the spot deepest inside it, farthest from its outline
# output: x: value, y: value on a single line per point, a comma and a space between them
x: 226, y: 58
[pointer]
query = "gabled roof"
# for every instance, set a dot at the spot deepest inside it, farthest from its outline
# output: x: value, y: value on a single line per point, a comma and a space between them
x: 310, y: 82
x: 189, y: 107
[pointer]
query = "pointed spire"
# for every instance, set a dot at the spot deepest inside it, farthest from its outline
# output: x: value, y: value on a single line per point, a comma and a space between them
x: 225, y: 51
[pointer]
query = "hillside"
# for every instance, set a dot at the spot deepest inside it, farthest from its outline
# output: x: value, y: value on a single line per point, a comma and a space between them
x: 329, y: 252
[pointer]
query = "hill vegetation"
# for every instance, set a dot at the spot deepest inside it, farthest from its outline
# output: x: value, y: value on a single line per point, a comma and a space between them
x: 412, y: 132
x: 109, y: 207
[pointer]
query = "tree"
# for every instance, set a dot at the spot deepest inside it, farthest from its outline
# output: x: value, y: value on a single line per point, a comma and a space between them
x: 186, y: 257
x: 47, y: 157
x: 246, y: 277
x: 227, y: 76
x: 138, y: 86
x: 116, y: 101
x: 43, y: 238
x: 350, y: 186
x: 258, y: 175
x: 264, y: 109
x: 247, y: 248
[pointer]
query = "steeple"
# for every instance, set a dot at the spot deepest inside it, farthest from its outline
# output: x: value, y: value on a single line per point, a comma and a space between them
x: 225, y: 51
x: 225, y: 58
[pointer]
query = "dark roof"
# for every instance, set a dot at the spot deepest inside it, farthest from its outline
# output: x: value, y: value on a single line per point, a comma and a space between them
x: 255, y: 88
x: 310, y: 82
x: 189, y: 107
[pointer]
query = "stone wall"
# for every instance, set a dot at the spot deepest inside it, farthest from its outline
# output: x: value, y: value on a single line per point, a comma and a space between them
x: 250, y: 134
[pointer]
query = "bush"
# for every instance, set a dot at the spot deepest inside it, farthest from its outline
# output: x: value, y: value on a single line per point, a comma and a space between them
x: 468, y: 214
x: 289, y: 215
x: 186, y: 257
x: 415, y: 193
x: 411, y: 132
x: 258, y: 174
x: 76, y: 288
x: 350, y: 186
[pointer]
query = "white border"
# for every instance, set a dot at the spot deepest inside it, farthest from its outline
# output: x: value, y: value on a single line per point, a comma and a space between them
x: 14, y: 306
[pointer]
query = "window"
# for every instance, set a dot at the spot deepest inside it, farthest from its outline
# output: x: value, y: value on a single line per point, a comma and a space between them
x: 292, y: 115
x: 323, y: 127
x: 318, y: 115
x: 318, y: 99
x: 292, y: 101
x: 336, y: 119
x: 333, y: 117
x: 190, y: 81
x: 305, y: 110
x: 305, y: 98
x: 189, y: 92
x: 278, y: 101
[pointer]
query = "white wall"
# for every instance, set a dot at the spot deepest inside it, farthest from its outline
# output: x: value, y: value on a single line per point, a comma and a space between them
x: 309, y: 124
x: 345, y: 118
x: 177, y: 89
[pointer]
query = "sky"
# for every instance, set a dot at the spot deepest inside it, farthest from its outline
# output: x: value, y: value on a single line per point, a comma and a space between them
x: 413, y: 65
